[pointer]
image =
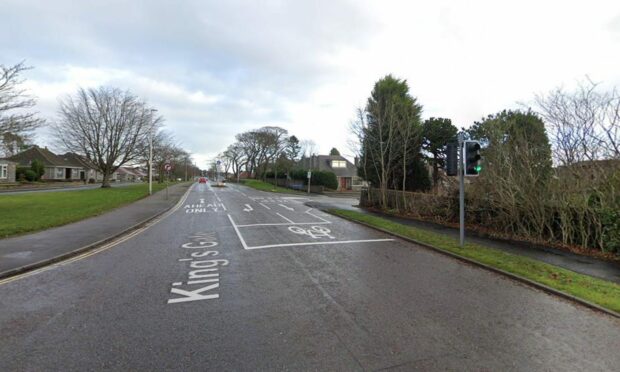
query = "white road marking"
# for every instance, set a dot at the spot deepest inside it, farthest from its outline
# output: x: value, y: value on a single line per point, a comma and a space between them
x: 248, y: 208
x: 285, y: 218
x: 284, y: 224
x: 245, y: 246
x: 223, y: 206
x: 284, y: 206
x: 314, y: 215
x: 320, y: 243
x: 314, y: 232
x: 264, y: 205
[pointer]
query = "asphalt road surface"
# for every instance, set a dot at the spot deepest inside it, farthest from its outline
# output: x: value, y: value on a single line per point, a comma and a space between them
x: 237, y: 279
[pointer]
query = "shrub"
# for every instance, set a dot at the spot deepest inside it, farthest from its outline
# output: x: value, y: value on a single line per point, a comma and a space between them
x: 38, y: 169
x: 30, y: 175
x: 20, y: 173
x: 91, y: 180
x: 610, y: 219
x: 324, y: 178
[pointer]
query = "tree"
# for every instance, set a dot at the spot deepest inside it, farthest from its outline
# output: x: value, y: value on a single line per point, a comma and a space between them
x: 308, y: 148
x: 108, y: 124
x: 38, y: 169
x: 437, y: 132
x: 584, y: 124
x: 293, y: 148
x: 16, y: 121
x: 14, y: 143
x: 334, y: 152
x: 390, y: 140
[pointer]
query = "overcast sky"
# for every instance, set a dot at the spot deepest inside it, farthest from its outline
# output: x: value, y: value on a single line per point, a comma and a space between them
x: 217, y: 68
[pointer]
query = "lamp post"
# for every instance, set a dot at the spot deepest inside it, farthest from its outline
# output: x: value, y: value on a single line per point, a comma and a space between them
x: 151, y: 152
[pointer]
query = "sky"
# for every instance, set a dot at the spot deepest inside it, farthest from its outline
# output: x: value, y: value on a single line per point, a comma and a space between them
x: 217, y: 68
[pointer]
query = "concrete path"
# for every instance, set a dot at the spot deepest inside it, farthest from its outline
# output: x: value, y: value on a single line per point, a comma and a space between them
x: 26, y: 250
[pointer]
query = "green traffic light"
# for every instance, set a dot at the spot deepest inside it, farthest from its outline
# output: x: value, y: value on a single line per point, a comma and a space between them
x: 478, y: 168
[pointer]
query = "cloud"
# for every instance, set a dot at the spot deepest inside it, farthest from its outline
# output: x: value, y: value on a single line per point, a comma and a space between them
x: 216, y: 68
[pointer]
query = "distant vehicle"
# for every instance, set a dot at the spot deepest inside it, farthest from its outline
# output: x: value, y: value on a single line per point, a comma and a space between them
x: 202, y: 180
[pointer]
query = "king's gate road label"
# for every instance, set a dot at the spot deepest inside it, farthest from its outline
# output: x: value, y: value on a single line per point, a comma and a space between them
x: 203, y: 277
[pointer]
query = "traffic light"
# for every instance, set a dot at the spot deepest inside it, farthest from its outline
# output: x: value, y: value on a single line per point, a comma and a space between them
x: 471, y: 154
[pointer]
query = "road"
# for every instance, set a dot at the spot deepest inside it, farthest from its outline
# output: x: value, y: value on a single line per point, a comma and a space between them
x: 237, y: 279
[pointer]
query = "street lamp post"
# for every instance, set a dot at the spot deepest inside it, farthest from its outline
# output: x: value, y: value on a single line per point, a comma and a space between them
x: 151, y: 152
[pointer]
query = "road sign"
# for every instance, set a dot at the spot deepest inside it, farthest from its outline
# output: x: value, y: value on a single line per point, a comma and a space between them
x: 167, y: 167
x: 218, y: 162
x: 309, y: 174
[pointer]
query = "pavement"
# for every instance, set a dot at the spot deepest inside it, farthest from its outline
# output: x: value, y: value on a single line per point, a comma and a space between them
x: 238, y: 279
x: 603, y: 269
x: 25, y: 251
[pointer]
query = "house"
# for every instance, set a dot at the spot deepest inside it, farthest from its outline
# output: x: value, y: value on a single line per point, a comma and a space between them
x: 7, y: 171
x: 127, y: 174
x: 345, y: 171
x: 89, y: 169
x: 57, y: 168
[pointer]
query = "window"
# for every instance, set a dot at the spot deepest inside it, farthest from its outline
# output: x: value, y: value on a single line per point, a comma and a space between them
x: 339, y: 164
x: 60, y: 173
x: 4, y: 171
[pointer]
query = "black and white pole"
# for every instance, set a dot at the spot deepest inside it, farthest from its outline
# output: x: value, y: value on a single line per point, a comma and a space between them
x: 461, y: 190
x: 309, y: 176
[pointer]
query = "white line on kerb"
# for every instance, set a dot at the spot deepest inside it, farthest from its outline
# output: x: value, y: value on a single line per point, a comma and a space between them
x: 320, y: 243
x: 245, y: 246
x: 264, y: 205
x: 285, y: 218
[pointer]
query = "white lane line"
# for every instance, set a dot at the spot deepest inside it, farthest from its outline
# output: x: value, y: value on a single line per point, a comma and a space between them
x: 245, y: 246
x: 320, y: 218
x: 285, y: 218
x: 321, y: 243
x: 285, y: 224
x: 223, y: 206
x: 284, y: 206
x: 264, y: 205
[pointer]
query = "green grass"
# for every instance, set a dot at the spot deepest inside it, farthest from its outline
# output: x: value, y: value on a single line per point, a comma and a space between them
x: 594, y: 290
x: 30, y: 212
x: 264, y: 186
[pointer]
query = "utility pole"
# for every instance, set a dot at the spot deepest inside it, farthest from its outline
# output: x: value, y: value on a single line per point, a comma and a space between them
x: 461, y: 190
x: 151, y: 152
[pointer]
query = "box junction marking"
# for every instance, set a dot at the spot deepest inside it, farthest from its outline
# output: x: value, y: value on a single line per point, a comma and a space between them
x: 315, y: 231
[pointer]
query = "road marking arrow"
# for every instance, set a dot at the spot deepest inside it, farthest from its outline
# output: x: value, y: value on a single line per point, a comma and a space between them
x: 248, y: 208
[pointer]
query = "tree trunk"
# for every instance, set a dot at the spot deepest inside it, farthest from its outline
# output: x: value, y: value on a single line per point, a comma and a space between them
x: 106, y: 180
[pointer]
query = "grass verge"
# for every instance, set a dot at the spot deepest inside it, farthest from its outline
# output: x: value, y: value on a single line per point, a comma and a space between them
x: 30, y: 212
x: 264, y: 186
x: 601, y: 292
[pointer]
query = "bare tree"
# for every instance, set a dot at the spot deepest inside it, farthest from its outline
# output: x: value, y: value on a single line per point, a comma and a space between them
x: 308, y: 148
x: 584, y: 125
x: 16, y: 121
x: 106, y: 124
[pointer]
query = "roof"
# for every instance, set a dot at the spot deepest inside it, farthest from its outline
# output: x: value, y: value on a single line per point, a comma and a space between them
x: 7, y: 161
x: 79, y: 159
x: 324, y: 163
x: 45, y: 156
x: 129, y: 171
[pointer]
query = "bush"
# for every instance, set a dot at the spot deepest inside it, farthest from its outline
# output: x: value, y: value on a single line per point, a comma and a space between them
x: 20, y: 173
x: 91, y: 180
x: 324, y: 178
x: 610, y: 219
x: 30, y: 175
x: 38, y: 169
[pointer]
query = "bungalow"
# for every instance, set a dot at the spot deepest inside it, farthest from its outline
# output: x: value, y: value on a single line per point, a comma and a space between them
x: 7, y: 171
x: 57, y: 168
x: 127, y: 174
x: 89, y: 169
x: 345, y: 171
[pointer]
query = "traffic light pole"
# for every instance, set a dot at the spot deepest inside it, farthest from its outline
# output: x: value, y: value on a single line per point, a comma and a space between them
x: 461, y: 190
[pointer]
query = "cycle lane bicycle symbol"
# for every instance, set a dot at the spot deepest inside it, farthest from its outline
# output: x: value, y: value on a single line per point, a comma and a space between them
x: 315, y: 232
